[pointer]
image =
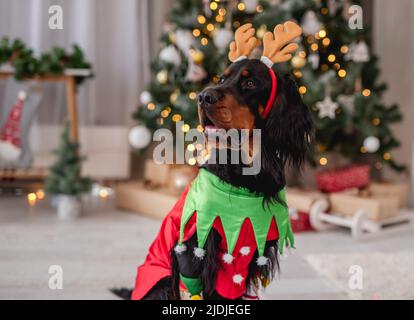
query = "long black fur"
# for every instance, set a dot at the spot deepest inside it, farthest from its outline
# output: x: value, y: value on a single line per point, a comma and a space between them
x: 286, y: 139
x: 287, y: 132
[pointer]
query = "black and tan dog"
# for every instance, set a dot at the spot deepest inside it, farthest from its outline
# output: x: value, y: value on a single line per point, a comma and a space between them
x: 250, y: 95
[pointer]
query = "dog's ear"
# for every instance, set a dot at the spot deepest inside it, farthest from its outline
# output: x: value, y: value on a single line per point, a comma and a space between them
x: 288, y: 129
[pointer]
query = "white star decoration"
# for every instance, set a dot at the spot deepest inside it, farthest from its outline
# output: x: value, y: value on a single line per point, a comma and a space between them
x: 358, y: 52
x: 327, y: 108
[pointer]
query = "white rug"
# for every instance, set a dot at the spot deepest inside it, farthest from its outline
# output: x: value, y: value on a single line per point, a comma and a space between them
x: 385, y: 275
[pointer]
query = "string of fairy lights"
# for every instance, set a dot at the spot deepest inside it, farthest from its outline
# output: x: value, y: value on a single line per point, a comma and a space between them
x: 315, y: 42
x: 98, y: 191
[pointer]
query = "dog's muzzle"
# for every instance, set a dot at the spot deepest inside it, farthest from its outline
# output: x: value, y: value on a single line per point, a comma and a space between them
x: 208, y: 98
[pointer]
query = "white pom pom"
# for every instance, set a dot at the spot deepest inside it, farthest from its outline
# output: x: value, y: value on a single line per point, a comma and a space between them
x: 262, y: 261
x: 245, y: 251
x: 199, y: 253
x: 238, y: 278
x: 228, y: 258
x: 180, y: 248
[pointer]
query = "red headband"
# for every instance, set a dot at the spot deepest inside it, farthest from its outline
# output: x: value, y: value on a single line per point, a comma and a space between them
x: 273, y: 91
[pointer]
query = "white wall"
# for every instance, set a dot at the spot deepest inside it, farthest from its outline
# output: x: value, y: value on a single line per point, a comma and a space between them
x: 119, y: 38
x: 393, y: 27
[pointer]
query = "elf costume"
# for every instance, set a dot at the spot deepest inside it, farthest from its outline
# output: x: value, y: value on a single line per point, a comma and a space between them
x: 240, y: 218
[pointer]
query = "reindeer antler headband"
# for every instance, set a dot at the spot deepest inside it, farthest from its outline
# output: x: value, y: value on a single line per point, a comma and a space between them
x: 276, y: 48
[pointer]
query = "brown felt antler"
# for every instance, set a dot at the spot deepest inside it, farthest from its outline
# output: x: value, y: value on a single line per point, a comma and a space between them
x: 276, y: 46
x: 244, y: 42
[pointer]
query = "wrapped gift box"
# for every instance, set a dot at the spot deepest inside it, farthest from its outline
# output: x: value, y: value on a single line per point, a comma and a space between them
x: 299, y: 220
x: 336, y: 180
x: 376, y: 207
x: 137, y: 197
x: 400, y: 190
x: 156, y: 174
x: 302, y: 200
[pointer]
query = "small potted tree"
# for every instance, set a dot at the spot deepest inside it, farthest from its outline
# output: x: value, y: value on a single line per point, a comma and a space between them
x: 64, y: 179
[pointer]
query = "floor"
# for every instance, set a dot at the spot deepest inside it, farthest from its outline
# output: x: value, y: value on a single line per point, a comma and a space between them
x: 102, y: 249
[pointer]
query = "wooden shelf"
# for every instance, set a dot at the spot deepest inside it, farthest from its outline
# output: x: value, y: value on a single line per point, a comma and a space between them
x: 8, y: 177
x: 24, y: 174
x: 68, y: 78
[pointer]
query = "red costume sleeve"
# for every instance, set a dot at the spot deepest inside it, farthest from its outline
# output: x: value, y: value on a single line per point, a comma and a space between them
x: 157, y: 264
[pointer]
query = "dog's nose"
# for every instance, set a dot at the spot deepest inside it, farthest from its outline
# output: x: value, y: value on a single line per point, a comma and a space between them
x: 208, y: 97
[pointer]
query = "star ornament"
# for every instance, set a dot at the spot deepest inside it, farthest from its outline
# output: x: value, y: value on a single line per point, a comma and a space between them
x: 327, y: 108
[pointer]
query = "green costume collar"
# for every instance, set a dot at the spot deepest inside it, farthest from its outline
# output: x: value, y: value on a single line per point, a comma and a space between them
x: 211, y: 198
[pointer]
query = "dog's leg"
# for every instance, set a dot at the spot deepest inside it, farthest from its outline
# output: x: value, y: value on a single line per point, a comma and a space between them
x: 189, y: 266
x: 161, y: 291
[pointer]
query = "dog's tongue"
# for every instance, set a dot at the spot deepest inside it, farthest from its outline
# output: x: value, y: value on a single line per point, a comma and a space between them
x: 210, y: 128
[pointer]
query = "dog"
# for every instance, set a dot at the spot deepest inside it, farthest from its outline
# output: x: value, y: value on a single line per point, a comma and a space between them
x: 240, y: 100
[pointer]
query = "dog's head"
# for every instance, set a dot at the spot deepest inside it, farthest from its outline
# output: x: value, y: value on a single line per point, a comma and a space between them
x: 241, y: 101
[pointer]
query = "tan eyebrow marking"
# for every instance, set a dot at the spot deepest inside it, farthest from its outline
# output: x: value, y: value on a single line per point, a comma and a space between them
x: 245, y: 73
x: 227, y: 72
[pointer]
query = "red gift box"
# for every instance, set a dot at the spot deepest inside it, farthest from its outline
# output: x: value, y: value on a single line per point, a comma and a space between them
x: 355, y: 176
x: 300, y: 221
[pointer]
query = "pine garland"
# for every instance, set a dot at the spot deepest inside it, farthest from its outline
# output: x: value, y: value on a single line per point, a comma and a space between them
x: 54, y: 62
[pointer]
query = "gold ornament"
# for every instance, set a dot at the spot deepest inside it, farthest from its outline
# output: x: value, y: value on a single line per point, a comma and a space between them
x: 198, y: 56
x: 171, y: 37
x: 261, y: 31
x: 162, y: 76
x: 298, y: 62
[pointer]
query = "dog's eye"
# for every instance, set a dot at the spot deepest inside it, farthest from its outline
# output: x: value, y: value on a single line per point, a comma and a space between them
x: 250, y: 84
x: 221, y: 80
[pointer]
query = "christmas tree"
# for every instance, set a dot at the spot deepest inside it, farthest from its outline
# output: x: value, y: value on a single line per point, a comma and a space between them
x: 65, y: 174
x: 336, y: 73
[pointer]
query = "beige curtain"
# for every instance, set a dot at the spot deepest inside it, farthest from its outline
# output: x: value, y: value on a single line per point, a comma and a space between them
x: 394, y: 44
x: 119, y: 38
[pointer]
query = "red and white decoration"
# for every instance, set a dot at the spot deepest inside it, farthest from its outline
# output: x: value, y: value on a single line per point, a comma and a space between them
x: 10, y: 144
